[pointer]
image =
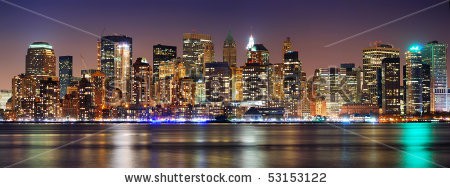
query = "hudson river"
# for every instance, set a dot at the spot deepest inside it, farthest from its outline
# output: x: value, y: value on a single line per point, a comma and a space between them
x: 224, y: 145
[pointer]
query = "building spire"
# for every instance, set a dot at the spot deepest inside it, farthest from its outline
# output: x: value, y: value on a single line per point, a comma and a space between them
x: 251, y: 42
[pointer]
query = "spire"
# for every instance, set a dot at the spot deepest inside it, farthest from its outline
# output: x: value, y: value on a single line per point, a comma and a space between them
x: 251, y: 42
x: 229, y: 38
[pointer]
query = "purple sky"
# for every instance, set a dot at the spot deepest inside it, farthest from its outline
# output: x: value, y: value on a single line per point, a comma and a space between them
x: 310, y: 24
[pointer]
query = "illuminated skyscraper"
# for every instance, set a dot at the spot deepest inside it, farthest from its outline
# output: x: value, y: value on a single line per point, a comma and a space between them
x: 417, y: 80
x: 292, y: 83
x: 116, y: 60
x: 142, y: 79
x: 47, y: 100
x: 435, y: 55
x: 351, y: 83
x: 372, y: 59
x: 161, y: 53
x: 218, y: 86
x: 98, y: 81
x: 65, y: 73
x: 229, y: 50
x: 5, y: 95
x: 197, y: 49
x: 86, y: 100
x: 390, y: 83
x: 236, y: 83
x: 256, y: 74
x: 40, y: 59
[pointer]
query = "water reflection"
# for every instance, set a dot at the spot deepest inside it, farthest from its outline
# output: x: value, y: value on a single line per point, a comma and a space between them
x: 416, y: 139
x: 225, y: 145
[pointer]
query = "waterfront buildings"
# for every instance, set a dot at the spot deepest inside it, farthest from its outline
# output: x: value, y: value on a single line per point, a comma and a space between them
x: 65, y: 73
x: 116, y: 59
x: 40, y: 59
x: 434, y: 54
x: 372, y: 59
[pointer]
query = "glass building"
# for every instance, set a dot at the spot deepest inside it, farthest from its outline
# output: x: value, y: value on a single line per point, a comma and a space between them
x: 116, y: 60
x: 417, y: 82
x: 390, y: 86
x: 161, y: 54
x: 292, y: 83
x: 65, y: 73
x: 229, y: 51
x: 197, y: 50
x: 435, y: 54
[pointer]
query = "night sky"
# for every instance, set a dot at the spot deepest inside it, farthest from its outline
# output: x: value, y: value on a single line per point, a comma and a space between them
x: 311, y: 25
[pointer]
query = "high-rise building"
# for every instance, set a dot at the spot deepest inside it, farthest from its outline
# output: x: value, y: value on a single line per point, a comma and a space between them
x: 351, y: 83
x: 65, y: 73
x: 435, y: 54
x: 417, y: 82
x: 86, y: 100
x: 229, y: 51
x: 218, y: 86
x: 328, y: 86
x: 142, y: 79
x: 287, y: 46
x: 161, y: 53
x: 292, y: 83
x: 197, y: 49
x: 372, y: 59
x: 276, y: 87
x: 98, y: 79
x: 116, y: 60
x: 256, y: 74
x: 40, y: 59
x: 391, y: 89
x: 47, y: 100
x: 236, y: 83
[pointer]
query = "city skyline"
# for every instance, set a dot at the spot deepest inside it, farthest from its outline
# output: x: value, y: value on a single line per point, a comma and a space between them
x: 307, y: 38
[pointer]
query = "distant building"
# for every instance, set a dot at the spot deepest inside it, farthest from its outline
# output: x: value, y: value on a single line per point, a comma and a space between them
x: 218, y: 86
x: 292, y: 82
x: 116, y: 59
x: 256, y: 74
x: 142, y: 79
x: 359, y: 109
x: 5, y: 95
x: 65, y: 73
x: 40, y: 59
x: 161, y: 54
x: 372, y: 59
x: 391, y: 89
x: 229, y: 51
x: 197, y: 49
x: 435, y: 55
x: 86, y: 100
x: 47, y: 101
x: 237, y: 83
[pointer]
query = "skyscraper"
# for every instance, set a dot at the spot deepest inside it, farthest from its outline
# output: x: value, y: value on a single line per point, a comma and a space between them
x: 435, y: 54
x: 142, y: 79
x: 417, y: 80
x: 161, y: 53
x: 86, y: 100
x: 390, y: 83
x: 40, y: 59
x: 229, y: 50
x: 47, y: 99
x: 292, y: 83
x: 236, y: 83
x: 256, y: 74
x: 218, y: 86
x: 372, y: 59
x: 116, y: 60
x: 65, y: 73
x: 197, y: 49
x: 287, y: 46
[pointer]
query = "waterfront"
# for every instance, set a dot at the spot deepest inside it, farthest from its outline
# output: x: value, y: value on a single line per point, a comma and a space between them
x: 224, y: 145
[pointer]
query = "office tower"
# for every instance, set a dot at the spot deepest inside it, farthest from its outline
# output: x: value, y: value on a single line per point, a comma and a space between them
x: 197, y: 49
x: 236, y: 83
x: 70, y: 106
x: 5, y: 95
x: 292, y: 83
x: 258, y: 54
x: 116, y: 60
x: 40, y: 59
x: 276, y: 89
x: 255, y: 74
x: 47, y: 101
x: 167, y: 86
x: 142, y: 79
x: 305, y: 102
x: 65, y: 73
x: 98, y: 79
x: 200, y: 92
x: 187, y: 92
x: 217, y: 86
x: 417, y: 82
x: 372, y: 58
x: 391, y: 89
x: 328, y: 86
x: 435, y: 54
x: 229, y: 51
x: 161, y: 53
x: 23, y: 97
x: 287, y: 46
x: 351, y: 83
x: 86, y: 100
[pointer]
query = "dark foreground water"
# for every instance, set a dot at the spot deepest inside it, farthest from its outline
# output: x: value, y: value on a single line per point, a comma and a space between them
x: 224, y: 145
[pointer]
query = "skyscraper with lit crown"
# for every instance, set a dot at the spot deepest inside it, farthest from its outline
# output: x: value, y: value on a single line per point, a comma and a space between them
x: 434, y: 53
x: 40, y: 59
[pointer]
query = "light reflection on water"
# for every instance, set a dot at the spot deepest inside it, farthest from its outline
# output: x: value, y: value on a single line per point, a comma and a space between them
x: 225, y: 145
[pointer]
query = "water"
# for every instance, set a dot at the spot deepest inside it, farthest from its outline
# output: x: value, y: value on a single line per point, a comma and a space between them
x: 224, y: 145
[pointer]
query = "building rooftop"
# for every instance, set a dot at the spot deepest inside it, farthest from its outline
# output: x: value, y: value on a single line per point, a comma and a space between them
x: 40, y: 45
